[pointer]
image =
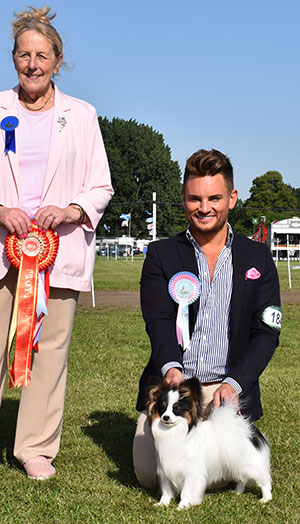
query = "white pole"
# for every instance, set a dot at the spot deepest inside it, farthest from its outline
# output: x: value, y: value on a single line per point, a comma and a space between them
x: 277, y: 252
x: 93, y: 293
x: 288, y: 257
x: 154, y: 215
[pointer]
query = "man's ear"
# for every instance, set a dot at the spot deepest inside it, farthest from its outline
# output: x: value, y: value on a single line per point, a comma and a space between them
x: 233, y: 198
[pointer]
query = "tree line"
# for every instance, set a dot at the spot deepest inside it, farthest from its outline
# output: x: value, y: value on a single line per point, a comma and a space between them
x: 140, y: 163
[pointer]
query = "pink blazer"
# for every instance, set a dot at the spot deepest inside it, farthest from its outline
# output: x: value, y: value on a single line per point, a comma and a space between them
x: 77, y: 171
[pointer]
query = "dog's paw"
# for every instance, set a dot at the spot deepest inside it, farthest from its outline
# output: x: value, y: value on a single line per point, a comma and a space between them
x: 265, y: 499
x: 164, y: 501
x: 183, y: 504
x: 240, y: 488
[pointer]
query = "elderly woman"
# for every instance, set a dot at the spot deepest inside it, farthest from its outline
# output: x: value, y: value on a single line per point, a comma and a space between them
x: 55, y: 171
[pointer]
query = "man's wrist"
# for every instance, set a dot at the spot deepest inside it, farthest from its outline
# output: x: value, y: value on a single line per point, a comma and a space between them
x: 233, y: 383
x: 170, y: 365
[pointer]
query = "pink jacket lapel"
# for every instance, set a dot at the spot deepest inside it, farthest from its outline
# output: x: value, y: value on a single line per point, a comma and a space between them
x: 10, y: 107
x: 58, y: 137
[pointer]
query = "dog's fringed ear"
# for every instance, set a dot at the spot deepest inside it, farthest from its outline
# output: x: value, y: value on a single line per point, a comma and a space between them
x: 155, y: 387
x: 194, y: 386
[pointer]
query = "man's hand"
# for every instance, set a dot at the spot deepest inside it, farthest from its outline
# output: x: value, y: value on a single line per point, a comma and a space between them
x: 226, y: 393
x: 174, y: 377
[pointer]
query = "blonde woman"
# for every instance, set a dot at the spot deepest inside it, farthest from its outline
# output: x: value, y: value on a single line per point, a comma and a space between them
x: 55, y: 170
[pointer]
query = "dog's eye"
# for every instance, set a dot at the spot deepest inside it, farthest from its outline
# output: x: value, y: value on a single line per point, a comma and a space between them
x: 163, y: 405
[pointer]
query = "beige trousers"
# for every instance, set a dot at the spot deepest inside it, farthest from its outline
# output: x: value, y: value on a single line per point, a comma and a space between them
x: 41, y: 406
x: 144, y: 454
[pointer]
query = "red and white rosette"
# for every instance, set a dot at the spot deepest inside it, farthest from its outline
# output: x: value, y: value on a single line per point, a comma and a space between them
x: 32, y: 256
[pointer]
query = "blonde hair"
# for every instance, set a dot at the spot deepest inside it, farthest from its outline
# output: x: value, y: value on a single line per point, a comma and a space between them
x: 38, y: 20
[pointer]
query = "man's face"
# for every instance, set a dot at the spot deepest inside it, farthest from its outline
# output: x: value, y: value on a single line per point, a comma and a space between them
x: 207, y: 200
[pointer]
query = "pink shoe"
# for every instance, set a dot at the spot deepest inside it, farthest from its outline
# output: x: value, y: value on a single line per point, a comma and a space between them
x: 39, y: 468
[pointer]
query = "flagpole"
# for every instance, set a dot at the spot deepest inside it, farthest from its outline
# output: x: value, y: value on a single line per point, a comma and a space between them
x: 288, y: 259
x: 154, y: 215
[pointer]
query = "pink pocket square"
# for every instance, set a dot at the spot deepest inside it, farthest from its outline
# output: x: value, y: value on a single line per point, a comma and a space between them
x: 252, y: 274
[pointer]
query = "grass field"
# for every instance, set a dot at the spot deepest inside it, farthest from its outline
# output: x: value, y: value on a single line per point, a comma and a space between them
x: 122, y: 274
x: 95, y: 482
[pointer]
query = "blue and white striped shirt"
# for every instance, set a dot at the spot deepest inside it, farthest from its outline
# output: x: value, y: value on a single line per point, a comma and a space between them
x: 207, y: 356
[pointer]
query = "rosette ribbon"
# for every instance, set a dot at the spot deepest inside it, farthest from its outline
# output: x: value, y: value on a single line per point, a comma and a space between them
x: 32, y: 256
x: 9, y: 124
x: 184, y: 287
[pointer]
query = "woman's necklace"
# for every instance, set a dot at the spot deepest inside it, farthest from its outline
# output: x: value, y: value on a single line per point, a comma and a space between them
x: 40, y: 107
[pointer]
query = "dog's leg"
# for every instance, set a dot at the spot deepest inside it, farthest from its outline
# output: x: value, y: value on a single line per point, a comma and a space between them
x: 167, y: 492
x: 266, y: 491
x: 264, y: 481
x: 261, y: 475
x: 192, y: 492
x: 240, y: 488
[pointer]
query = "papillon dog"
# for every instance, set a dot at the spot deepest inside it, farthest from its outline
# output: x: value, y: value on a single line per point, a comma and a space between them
x: 194, y: 454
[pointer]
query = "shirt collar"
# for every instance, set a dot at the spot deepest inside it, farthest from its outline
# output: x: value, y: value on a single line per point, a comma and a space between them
x: 228, y: 243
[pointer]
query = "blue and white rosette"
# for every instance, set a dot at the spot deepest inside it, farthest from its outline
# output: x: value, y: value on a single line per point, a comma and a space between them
x: 9, y: 124
x: 184, y: 288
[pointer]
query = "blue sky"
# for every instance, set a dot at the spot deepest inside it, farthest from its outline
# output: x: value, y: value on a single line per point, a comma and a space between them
x: 215, y: 73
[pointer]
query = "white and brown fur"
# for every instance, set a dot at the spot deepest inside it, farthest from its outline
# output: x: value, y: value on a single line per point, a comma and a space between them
x: 194, y: 454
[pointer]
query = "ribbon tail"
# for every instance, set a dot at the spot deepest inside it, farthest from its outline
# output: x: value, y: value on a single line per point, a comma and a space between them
x: 41, y: 308
x: 14, y: 320
x: 182, y: 325
x: 10, y: 141
x: 179, y: 334
x: 27, y: 299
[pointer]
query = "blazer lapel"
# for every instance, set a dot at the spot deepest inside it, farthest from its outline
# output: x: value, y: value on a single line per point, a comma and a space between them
x: 58, y: 138
x: 239, y: 264
x: 10, y: 108
x: 188, y: 260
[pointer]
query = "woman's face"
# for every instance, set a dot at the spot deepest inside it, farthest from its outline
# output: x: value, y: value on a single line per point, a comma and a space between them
x: 35, y: 63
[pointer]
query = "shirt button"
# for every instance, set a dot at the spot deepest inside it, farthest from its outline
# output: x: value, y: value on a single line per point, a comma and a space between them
x: 204, y: 337
x: 201, y: 359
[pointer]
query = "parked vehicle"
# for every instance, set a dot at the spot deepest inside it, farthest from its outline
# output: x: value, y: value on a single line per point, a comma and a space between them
x: 122, y: 250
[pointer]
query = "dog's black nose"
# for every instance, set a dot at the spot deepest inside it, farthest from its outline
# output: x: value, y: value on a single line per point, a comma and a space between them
x: 166, y: 418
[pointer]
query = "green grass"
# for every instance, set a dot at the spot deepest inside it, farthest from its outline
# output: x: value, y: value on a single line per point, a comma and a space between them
x: 284, y: 276
x: 95, y: 482
x: 122, y: 274
x: 118, y: 274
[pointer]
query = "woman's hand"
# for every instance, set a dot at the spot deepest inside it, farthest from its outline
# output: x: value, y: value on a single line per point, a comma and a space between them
x: 53, y: 216
x: 15, y: 220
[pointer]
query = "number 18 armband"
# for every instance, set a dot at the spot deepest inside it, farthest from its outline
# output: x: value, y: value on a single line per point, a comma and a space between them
x: 271, y: 316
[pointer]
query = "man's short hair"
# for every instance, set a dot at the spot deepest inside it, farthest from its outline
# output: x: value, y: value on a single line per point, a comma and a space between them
x: 210, y: 163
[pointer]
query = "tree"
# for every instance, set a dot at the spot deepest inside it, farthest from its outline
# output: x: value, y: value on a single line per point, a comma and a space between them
x: 140, y: 163
x: 236, y: 217
x: 296, y: 193
x: 269, y: 197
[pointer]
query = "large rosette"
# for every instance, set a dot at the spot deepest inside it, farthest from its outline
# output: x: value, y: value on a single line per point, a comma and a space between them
x: 48, y: 247
x: 32, y: 256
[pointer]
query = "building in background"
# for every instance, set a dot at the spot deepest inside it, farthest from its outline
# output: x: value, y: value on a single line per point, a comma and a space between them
x: 284, y: 238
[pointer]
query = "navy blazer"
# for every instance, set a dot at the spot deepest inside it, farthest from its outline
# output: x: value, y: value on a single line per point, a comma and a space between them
x: 251, y: 343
